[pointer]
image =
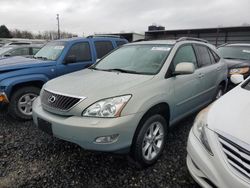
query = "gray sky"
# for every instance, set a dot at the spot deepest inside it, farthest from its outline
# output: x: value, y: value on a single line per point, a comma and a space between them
x: 102, y: 16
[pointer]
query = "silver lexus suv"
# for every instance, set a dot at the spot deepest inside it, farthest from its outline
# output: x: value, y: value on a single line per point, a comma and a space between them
x: 126, y: 102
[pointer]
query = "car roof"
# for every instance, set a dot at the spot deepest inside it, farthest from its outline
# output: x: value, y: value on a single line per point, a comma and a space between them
x: 73, y: 39
x: 171, y: 42
x: 238, y: 44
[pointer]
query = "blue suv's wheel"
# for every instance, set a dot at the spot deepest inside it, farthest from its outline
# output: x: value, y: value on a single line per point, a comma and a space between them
x: 21, y: 102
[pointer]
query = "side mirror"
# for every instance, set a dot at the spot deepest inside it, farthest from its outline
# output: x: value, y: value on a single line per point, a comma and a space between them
x: 70, y: 59
x: 184, y: 68
x: 237, y: 78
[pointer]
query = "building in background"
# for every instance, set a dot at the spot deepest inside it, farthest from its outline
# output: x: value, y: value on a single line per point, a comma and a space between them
x: 216, y: 36
x: 131, y: 37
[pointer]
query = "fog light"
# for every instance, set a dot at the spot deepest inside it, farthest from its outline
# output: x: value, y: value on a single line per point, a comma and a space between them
x: 107, y: 139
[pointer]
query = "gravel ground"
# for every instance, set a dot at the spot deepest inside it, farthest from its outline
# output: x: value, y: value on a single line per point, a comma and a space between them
x: 30, y: 158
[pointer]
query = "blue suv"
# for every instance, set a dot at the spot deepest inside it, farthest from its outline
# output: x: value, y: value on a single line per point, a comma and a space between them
x: 22, y: 78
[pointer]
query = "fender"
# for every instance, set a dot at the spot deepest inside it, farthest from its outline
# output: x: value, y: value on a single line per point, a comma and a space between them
x: 9, y: 83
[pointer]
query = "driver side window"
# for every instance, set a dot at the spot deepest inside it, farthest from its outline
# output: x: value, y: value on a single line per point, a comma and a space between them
x: 81, y: 52
x: 184, y: 54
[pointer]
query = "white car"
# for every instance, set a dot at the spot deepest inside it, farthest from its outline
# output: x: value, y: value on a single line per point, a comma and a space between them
x: 219, y: 142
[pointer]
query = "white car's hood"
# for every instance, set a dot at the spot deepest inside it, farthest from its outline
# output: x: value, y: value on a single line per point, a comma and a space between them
x: 231, y: 114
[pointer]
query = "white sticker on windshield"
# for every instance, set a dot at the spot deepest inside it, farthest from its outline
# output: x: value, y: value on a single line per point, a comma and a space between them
x: 161, y: 48
x: 58, y: 47
x: 246, y: 51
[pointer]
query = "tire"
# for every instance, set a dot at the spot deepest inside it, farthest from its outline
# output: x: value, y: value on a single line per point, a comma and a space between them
x: 21, y: 102
x: 142, y: 140
x: 219, y: 92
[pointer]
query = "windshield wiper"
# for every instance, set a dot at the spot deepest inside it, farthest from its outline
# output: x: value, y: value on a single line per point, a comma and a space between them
x: 235, y: 58
x: 40, y: 57
x: 122, y: 70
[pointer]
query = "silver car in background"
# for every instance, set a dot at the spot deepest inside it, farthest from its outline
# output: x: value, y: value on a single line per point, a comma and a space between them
x: 126, y: 102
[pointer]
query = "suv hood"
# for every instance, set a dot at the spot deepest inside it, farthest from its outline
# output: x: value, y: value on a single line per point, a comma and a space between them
x: 15, y: 63
x: 234, y: 63
x: 230, y: 114
x: 96, y: 84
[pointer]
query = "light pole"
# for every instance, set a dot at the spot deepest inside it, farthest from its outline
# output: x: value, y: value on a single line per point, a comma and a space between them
x: 58, y: 25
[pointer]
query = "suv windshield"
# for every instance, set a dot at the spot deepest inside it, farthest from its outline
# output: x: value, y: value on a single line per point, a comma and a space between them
x: 137, y: 59
x: 50, y: 51
x: 235, y: 52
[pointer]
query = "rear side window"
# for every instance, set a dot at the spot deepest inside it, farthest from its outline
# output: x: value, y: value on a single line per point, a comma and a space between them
x: 204, y: 56
x: 185, y: 54
x: 20, y: 51
x: 216, y: 57
x: 102, y: 48
x: 35, y: 50
x: 81, y: 51
x: 120, y: 43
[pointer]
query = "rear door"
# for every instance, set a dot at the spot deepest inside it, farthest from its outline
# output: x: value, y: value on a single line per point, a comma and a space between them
x: 80, y: 54
x: 186, y: 87
x: 209, y: 71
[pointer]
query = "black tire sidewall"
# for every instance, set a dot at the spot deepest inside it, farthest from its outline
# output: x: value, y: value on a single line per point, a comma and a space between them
x: 137, y: 145
x: 13, y: 108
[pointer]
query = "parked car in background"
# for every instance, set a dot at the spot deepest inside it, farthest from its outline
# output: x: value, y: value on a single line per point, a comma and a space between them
x: 21, y: 50
x: 17, y: 43
x: 22, y: 78
x: 237, y: 57
x: 128, y: 100
x: 219, y: 143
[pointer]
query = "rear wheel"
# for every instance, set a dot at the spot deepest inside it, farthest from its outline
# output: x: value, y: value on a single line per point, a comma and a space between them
x: 21, y: 102
x: 150, y: 141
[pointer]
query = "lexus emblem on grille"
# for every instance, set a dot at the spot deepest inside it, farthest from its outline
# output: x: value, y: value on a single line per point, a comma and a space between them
x: 52, y: 99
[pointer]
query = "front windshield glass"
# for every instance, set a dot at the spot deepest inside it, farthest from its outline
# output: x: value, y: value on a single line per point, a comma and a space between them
x: 4, y: 50
x: 138, y: 59
x: 50, y: 51
x: 235, y: 52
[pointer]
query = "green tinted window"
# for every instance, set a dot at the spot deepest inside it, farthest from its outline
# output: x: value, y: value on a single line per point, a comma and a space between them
x: 185, y: 54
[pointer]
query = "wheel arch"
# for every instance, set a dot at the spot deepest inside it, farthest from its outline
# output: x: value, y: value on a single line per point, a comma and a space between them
x: 160, y: 108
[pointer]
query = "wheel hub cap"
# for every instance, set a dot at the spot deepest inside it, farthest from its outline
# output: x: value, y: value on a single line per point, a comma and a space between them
x: 25, y: 103
x: 153, y: 141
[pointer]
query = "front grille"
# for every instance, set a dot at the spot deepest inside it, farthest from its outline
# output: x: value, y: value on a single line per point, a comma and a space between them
x: 238, y: 154
x: 58, y: 101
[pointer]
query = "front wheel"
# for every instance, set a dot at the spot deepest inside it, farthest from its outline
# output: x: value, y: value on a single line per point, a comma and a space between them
x: 150, y: 141
x: 21, y: 102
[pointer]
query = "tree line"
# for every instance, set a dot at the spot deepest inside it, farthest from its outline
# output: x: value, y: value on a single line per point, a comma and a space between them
x: 47, y: 35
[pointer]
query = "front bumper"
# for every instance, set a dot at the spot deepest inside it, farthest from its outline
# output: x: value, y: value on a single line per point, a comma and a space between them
x: 208, y: 170
x: 84, y: 130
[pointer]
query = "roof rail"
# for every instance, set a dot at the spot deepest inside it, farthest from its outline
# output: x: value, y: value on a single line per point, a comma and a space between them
x: 191, y: 38
x: 113, y: 36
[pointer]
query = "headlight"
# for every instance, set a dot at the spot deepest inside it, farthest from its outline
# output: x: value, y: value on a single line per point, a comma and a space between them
x: 111, y: 107
x: 200, y: 128
x: 242, y: 70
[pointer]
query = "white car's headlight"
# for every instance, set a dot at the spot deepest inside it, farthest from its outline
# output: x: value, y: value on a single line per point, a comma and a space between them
x: 200, y: 129
x: 242, y: 70
x: 111, y: 107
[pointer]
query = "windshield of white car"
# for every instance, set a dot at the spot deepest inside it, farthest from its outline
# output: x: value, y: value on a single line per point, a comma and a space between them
x: 50, y: 51
x: 246, y: 85
x: 235, y: 52
x: 135, y: 59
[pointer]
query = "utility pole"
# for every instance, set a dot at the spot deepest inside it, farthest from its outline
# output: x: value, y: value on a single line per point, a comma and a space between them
x: 58, y: 25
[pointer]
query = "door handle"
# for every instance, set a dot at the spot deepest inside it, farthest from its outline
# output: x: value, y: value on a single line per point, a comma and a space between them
x: 200, y: 75
x: 218, y: 68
